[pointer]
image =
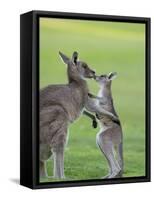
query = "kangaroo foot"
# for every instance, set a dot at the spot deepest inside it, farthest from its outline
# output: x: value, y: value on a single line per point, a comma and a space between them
x: 105, y: 177
x: 120, y: 174
x: 115, y: 174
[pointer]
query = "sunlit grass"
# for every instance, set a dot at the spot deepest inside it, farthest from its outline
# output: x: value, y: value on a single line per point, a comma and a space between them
x: 106, y: 47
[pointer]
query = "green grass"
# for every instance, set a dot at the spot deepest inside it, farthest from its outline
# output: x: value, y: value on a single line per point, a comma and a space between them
x: 106, y: 47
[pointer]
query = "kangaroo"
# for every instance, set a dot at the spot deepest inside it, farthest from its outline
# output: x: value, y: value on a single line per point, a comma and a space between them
x: 109, y: 138
x: 61, y: 105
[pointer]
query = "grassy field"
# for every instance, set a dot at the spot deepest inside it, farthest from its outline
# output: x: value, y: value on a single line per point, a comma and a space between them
x: 106, y: 47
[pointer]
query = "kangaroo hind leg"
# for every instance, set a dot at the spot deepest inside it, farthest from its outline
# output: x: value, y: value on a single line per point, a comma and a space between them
x: 58, y: 146
x: 119, y: 151
x: 58, y: 155
x: 105, y: 144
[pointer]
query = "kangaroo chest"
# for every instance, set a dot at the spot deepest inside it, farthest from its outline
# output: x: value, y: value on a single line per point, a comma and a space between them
x: 75, y: 104
x: 106, y: 104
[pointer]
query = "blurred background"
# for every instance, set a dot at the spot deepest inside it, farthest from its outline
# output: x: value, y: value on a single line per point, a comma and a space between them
x: 106, y: 47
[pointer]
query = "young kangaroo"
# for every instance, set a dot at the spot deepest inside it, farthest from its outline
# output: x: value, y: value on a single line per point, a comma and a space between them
x: 61, y: 105
x: 109, y: 138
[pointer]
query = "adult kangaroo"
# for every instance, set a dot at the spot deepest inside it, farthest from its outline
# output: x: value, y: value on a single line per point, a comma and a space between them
x: 61, y: 105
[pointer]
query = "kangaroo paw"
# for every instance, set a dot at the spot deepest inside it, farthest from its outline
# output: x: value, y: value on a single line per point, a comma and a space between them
x: 94, y: 124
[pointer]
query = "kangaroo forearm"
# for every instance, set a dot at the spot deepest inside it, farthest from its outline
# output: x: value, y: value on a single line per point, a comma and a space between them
x: 94, y: 121
x: 105, y: 112
x: 91, y: 116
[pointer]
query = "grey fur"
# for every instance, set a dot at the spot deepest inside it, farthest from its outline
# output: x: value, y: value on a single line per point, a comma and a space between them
x: 61, y: 105
x: 109, y: 139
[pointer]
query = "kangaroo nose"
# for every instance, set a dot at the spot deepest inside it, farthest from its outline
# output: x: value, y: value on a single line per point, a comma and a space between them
x: 93, y: 72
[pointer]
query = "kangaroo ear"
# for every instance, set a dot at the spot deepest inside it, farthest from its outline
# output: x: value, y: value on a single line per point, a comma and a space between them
x: 64, y: 58
x: 112, y: 75
x: 75, y: 57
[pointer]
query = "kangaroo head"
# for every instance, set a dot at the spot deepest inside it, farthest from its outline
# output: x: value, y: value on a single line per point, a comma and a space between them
x: 106, y: 79
x: 77, y: 68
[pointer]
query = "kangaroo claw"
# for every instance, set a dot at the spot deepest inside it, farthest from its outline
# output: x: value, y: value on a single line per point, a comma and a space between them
x: 94, y: 124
